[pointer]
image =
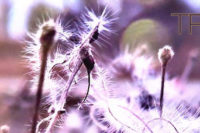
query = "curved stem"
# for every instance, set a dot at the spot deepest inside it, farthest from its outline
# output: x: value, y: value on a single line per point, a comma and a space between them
x: 97, y: 123
x: 119, y: 120
x: 165, y: 121
x: 88, y: 88
x: 42, y: 121
x: 106, y: 99
x: 145, y: 124
x: 52, y: 122
x: 63, y: 97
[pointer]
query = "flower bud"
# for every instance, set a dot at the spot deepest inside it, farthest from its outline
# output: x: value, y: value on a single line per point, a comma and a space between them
x: 94, y: 36
x: 47, y: 35
x: 87, y: 59
x: 165, y: 54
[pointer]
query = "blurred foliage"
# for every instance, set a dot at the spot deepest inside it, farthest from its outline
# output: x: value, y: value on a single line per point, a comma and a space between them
x: 144, y: 31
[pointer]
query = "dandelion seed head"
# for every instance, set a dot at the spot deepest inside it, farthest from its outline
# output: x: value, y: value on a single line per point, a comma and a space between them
x: 165, y: 54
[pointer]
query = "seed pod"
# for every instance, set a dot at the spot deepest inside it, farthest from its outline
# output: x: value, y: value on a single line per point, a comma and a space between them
x: 94, y: 36
x: 87, y: 59
x: 62, y: 111
x: 48, y: 34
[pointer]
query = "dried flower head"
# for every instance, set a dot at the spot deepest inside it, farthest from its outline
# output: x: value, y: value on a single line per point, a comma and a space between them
x: 165, y: 54
x: 47, y: 33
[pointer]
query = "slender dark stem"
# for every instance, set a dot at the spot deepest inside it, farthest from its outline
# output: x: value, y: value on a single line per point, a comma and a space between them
x: 88, y: 88
x: 39, y: 89
x: 169, y: 122
x: 162, y: 89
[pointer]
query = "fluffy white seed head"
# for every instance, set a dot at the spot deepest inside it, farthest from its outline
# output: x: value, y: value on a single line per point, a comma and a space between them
x: 165, y: 54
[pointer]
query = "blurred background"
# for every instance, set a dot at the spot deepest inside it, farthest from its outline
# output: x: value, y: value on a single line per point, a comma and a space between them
x: 138, y: 22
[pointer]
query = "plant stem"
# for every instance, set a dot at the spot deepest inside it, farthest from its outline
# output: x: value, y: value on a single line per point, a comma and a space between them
x: 162, y: 88
x: 64, y: 96
x: 162, y: 119
x: 70, y: 80
x: 52, y: 121
x: 137, y: 117
x: 88, y: 88
x: 39, y: 88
